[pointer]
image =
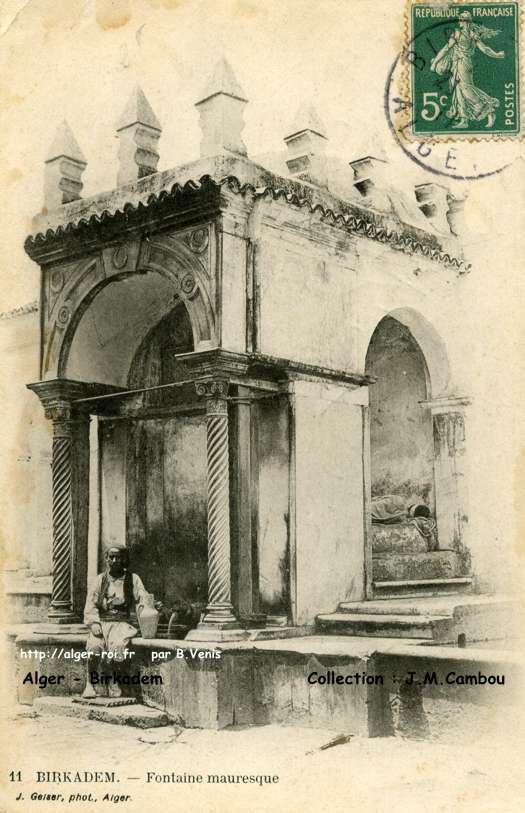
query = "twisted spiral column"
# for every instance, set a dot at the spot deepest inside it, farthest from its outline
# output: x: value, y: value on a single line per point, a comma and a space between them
x: 61, y: 608
x: 61, y: 600
x: 219, y: 611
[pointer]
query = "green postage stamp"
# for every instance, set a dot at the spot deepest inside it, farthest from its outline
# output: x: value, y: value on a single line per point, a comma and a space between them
x: 464, y: 68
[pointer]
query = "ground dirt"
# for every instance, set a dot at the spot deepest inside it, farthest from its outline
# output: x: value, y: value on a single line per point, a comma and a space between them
x: 453, y: 772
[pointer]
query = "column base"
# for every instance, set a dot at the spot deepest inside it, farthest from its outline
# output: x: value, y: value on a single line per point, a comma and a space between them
x: 57, y: 615
x: 218, y: 624
x: 54, y: 628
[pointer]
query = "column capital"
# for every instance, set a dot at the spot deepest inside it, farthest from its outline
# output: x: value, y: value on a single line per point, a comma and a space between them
x: 212, y: 388
x: 447, y: 404
x: 59, y: 396
x: 215, y: 391
x: 60, y: 411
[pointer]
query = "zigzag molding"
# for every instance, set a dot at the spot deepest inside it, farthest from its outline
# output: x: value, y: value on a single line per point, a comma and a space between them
x: 352, y: 223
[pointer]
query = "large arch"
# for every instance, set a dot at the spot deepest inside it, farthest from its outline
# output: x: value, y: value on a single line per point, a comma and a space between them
x: 113, y: 300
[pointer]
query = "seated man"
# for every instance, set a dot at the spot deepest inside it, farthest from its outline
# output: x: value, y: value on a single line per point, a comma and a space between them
x: 107, y: 613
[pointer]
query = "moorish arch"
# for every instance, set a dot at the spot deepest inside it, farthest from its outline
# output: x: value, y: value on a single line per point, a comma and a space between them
x: 417, y: 451
x: 429, y: 340
x: 401, y: 442
x: 99, y: 312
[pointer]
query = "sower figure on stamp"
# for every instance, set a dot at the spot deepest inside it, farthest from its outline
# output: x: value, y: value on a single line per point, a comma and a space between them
x: 109, y: 602
x: 469, y: 103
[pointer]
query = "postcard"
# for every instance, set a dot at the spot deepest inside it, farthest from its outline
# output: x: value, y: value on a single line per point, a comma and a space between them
x: 261, y: 330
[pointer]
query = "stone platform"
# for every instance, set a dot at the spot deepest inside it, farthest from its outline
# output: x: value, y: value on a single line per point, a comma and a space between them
x: 258, y: 682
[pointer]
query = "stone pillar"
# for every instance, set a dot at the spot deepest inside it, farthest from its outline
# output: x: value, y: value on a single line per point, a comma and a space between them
x: 448, y: 418
x: 432, y: 200
x: 221, y: 113
x: 244, y: 508
x: 368, y: 172
x: 306, y: 146
x: 456, y: 215
x: 367, y: 504
x: 138, y: 131
x: 219, y: 622
x: 64, y: 167
x: 70, y: 473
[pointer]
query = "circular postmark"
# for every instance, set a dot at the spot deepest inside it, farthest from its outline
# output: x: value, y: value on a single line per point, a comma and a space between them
x: 442, y: 110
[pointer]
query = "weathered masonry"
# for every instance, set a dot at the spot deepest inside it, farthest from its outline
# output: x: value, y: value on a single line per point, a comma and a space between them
x: 236, y: 361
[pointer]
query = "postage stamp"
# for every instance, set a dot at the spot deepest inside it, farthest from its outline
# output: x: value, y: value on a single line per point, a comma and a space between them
x: 464, y: 71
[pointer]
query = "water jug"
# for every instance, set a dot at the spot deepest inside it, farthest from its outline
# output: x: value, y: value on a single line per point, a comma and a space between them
x: 148, y: 617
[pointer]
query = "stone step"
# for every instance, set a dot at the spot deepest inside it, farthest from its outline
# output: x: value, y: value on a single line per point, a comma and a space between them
x: 421, y: 588
x: 134, y: 715
x: 439, y: 564
x: 430, y: 606
x: 437, y: 628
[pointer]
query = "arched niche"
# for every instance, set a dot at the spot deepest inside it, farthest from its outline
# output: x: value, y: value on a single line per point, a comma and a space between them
x: 430, y: 342
x: 401, y: 435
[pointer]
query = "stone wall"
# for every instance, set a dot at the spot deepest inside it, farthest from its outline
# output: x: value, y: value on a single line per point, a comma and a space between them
x: 25, y: 487
x: 329, y: 495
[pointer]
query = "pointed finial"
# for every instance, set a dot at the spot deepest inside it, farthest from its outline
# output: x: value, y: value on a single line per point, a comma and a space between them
x: 221, y: 109
x: 65, y: 144
x: 139, y: 131
x: 307, y: 118
x: 64, y: 166
x: 223, y: 80
x: 138, y: 111
x: 306, y: 147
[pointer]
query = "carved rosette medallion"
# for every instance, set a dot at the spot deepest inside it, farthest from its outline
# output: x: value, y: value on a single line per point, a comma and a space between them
x: 63, y: 316
x: 198, y: 240
x: 56, y: 281
x: 120, y: 257
x: 188, y: 284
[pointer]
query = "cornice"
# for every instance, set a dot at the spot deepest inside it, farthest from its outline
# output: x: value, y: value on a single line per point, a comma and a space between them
x: 64, y: 391
x: 204, y: 198
x: 220, y: 363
